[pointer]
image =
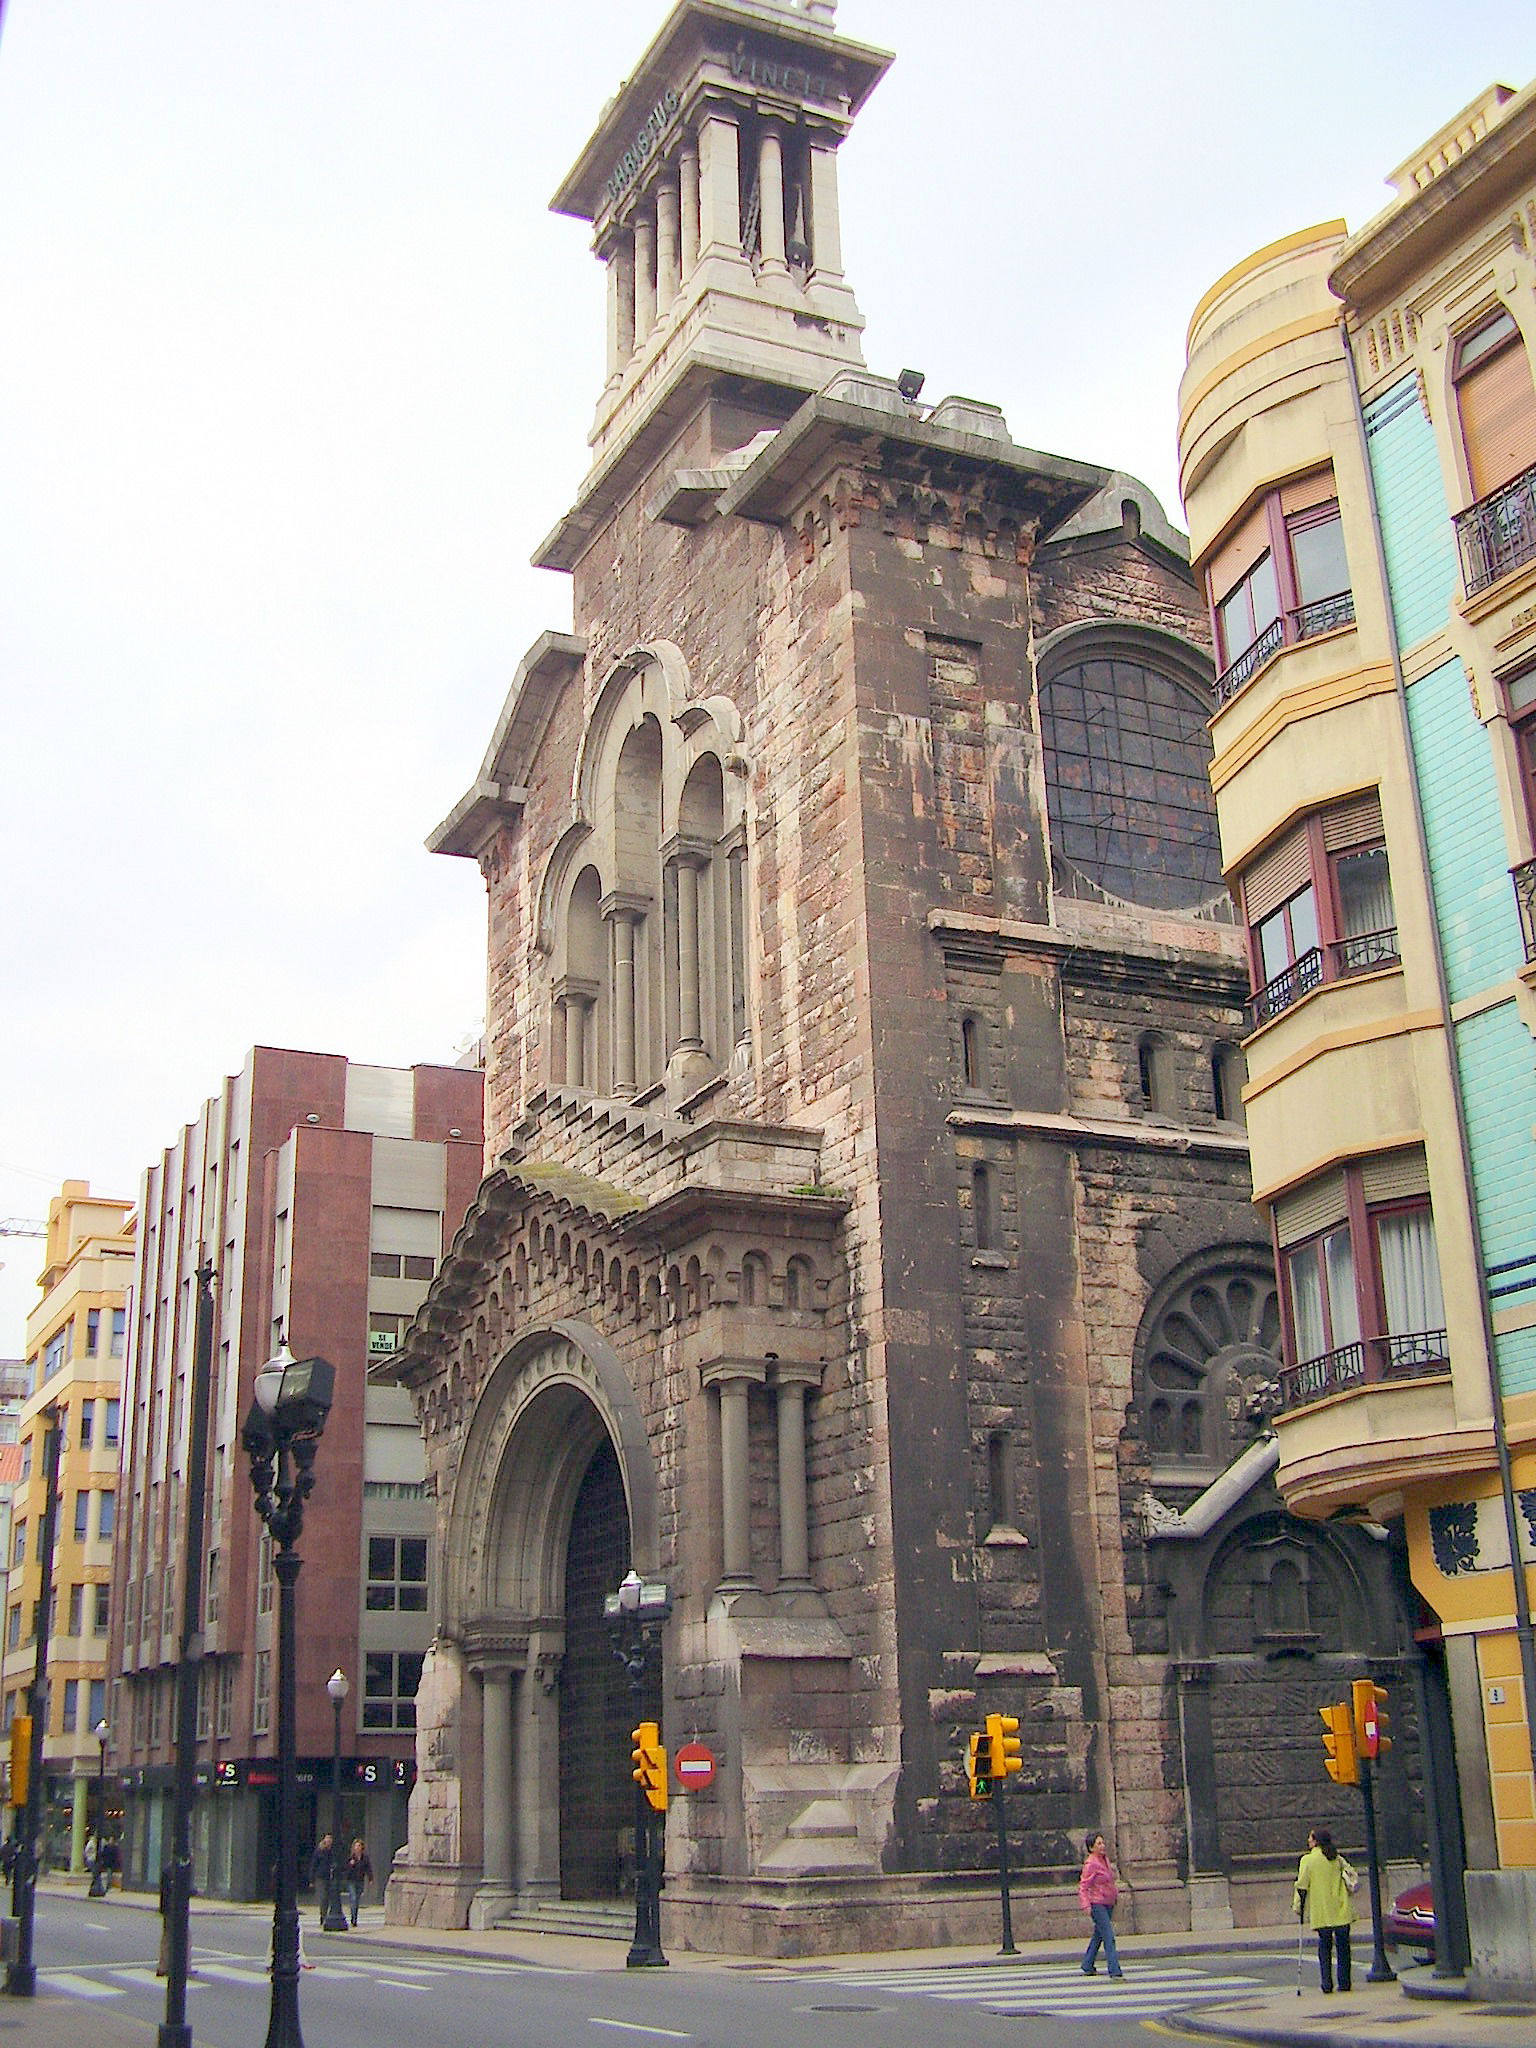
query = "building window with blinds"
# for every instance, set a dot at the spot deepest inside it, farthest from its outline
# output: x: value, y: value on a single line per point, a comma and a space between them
x: 1280, y: 577
x: 1361, y: 1296
x: 1496, y: 407
x: 1318, y: 906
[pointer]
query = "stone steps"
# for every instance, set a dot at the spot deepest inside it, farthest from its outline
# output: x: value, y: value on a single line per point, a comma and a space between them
x: 598, y: 1919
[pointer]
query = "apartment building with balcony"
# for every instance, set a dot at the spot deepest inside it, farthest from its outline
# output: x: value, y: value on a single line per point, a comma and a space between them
x: 1358, y: 455
x: 73, y: 1382
x: 323, y: 1193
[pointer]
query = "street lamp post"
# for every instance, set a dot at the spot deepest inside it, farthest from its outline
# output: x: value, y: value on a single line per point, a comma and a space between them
x: 292, y: 1398
x: 21, y: 1973
x: 101, y: 1876
x: 335, y: 1920
x: 636, y: 1614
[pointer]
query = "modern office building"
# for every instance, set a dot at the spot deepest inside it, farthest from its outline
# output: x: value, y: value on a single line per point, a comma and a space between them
x: 867, y: 1249
x: 1358, y: 450
x: 320, y: 1191
x: 74, y: 1378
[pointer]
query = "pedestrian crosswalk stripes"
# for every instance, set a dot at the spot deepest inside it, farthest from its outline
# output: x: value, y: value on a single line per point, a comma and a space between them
x: 113, y: 1980
x: 1060, y: 1990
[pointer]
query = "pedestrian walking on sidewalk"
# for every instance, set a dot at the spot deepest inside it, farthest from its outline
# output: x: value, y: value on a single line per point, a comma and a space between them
x: 1097, y: 1892
x: 357, y: 1876
x: 322, y: 1868
x: 1324, y: 1882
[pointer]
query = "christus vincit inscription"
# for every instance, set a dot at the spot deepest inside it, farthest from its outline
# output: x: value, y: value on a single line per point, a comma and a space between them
x: 640, y: 151
x: 777, y: 77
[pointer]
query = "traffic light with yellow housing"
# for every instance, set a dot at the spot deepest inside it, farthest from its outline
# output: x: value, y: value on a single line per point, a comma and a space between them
x: 1343, y: 1765
x: 978, y: 1766
x: 1003, y: 1745
x: 21, y: 1758
x: 1370, y: 1718
x: 650, y: 1759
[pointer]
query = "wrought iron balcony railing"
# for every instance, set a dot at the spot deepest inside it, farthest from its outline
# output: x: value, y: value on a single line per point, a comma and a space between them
x: 1362, y: 953
x: 1498, y: 533
x: 1297, y: 981
x: 1524, y: 879
x: 1323, y: 615
x: 1406, y: 1355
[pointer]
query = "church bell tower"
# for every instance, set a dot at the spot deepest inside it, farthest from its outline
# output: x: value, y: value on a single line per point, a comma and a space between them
x: 711, y: 186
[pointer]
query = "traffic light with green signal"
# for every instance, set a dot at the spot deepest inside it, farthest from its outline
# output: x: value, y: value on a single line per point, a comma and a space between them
x: 978, y: 1765
x: 1003, y: 1745
x: 1370, y: 1718
x: 1343, y: 1765
x: 650, y: 1772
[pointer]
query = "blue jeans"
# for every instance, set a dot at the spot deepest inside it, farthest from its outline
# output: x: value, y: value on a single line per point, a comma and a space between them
x: 1103, y: 1936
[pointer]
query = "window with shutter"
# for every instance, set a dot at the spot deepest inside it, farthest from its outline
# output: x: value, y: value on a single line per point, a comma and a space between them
x: 1497, y: 402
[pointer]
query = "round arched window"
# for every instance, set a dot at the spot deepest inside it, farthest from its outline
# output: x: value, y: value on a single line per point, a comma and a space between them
x: 1129, y: 799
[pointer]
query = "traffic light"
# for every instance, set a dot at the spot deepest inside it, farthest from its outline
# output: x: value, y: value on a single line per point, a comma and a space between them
x: 21, y: 1758
x: 1003, y: 1745
x: 1343, y: 1766
x: 650, y: 1772
x: 1371, y: 1720
x: 978, y: 1766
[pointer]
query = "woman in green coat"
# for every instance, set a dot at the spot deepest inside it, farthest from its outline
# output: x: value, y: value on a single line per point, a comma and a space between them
x: 1324, y: 1881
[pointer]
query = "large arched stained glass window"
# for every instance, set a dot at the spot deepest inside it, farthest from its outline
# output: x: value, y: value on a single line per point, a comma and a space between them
x: 1127, y: 790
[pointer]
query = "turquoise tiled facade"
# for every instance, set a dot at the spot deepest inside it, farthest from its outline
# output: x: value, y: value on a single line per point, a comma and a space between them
x: 1415, y: 519
x: 1468, y: 862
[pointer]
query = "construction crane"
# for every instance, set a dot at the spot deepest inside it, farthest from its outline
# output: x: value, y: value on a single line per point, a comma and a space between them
x: 21, y: 1226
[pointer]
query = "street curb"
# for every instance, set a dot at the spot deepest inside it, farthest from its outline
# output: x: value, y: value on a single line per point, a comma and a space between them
x: 1206, y: 2023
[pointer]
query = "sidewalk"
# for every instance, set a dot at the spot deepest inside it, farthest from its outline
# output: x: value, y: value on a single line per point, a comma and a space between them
x: 1419, y: 2011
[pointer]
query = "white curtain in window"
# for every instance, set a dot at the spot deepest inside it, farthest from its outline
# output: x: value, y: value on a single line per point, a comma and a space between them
x: 1410, y: 1271
x: 1365, y: 892
x: 1343, y: 1307
x: 1306, y: 1284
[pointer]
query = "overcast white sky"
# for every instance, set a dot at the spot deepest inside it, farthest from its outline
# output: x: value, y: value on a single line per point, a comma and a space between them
x: 296, y: 369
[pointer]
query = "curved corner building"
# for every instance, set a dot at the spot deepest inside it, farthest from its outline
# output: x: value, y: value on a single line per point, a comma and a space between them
x: 1357, y: 440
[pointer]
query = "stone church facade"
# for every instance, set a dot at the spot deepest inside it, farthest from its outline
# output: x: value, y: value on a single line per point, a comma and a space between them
x: 865, y: 1247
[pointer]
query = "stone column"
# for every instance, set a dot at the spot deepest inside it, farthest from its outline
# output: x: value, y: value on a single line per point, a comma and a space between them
x: 625, y: 993
x: 575, y: 1042
x: 645, y: 276
x: 1209, y: 1899
x: 538, y: 1775
x: 735, y: 1379
x: 495, y: 1889
x: 770, y: 169
x: 794, y: 1533
x: 688, y: 221
x: 621, y: 303
x: 690, y: 862
x: 666, y: 243
x: 826, y: 230
x: 719, y: 187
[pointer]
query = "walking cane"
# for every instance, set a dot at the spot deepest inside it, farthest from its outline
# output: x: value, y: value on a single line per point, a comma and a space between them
x: 1299, y: 1925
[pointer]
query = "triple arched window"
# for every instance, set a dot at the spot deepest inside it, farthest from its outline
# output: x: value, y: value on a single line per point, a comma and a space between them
x: 644, y: 898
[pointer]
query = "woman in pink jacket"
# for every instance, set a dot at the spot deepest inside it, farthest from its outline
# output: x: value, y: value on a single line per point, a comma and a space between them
x: 1097, y: 1892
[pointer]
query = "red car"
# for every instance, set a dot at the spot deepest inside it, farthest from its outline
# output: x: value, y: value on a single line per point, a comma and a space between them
x: 1411, y: 1920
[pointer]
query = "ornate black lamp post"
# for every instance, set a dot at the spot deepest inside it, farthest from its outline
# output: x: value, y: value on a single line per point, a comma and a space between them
x: 335, y: 1920
x: 636, y: 1614
x: 101, y: 1876
x: 282, y: 1429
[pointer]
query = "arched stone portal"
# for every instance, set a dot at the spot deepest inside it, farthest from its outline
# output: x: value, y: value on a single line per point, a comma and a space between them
x: 556, y: 1488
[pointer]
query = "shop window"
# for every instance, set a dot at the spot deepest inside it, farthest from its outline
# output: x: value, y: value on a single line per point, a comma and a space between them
x: 1318, y: 906
x: 1281, y: 577
x: 1361, y: 1279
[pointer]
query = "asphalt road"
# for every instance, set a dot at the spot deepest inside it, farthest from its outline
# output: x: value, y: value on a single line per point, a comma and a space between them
x: 377, y: 1995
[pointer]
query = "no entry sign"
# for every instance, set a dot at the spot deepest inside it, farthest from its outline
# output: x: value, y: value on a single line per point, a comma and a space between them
x: 694, y: 1765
